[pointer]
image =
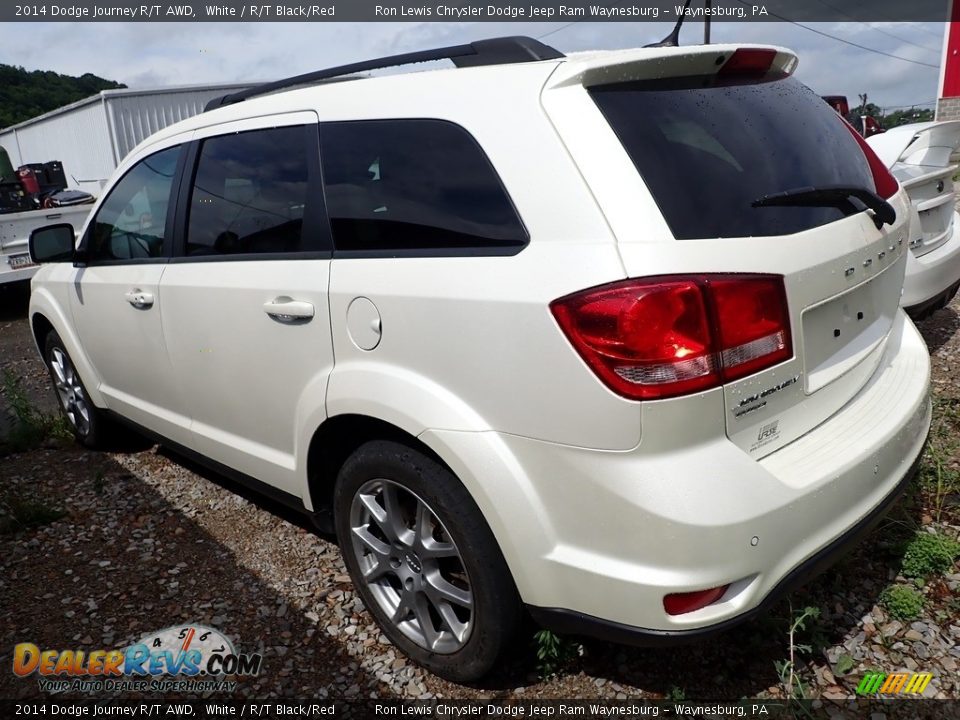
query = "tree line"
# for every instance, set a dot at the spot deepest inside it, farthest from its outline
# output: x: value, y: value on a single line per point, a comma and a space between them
x: 27, y: 93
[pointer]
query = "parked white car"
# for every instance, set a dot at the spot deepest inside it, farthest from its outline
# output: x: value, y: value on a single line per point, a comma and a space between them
x: 612, y: 336
x: 15, y: 229
x: 918, y: 155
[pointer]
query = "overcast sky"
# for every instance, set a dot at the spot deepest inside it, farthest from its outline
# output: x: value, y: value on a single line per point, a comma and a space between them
x: 157, y: 54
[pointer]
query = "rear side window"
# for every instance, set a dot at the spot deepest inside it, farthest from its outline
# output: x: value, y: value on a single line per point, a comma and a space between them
x: 131, y: 222
x: 417, y: 185
x: 707, y: 152
x: 249, y: 193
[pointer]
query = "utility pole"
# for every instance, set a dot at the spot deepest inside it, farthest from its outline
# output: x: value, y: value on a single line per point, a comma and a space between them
x: 863, y: 103
x: 706, y: 22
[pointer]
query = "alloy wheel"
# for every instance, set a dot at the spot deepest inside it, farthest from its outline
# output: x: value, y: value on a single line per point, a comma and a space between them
x: 411, y: 566
x: 70, y: 391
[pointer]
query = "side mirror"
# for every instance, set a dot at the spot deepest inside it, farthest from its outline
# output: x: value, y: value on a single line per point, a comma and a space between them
x: 52, y: 243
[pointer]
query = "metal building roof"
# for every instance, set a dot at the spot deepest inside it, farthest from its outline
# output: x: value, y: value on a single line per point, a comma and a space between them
x: 104, y: 95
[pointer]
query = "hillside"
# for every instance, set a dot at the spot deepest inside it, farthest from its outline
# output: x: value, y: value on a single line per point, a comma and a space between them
x: 25, y: 94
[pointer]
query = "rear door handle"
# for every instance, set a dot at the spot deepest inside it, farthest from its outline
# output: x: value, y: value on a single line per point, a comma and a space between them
x: 288, y: 310
x: 139, y: 299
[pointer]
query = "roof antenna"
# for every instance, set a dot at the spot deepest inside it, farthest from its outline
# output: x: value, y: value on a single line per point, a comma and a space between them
x: 673, y: 39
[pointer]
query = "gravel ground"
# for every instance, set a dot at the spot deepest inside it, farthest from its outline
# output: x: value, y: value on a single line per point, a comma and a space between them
x: 150, y: 541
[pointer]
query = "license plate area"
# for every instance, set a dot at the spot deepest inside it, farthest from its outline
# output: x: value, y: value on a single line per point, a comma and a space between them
x: 20, y: 261
x: 841, y: 332
x: 936, y: 224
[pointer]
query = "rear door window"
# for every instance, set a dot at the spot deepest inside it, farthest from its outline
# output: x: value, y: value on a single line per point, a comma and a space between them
x: 249, y: 194
x: 707, y: 151
x: 413, y: 185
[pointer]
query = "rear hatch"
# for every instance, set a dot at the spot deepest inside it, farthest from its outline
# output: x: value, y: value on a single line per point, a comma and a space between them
x: 712, y: 131
x: 918, y: 155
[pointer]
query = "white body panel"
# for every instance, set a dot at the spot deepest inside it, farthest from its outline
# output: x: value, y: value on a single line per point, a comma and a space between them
x: 126, y: 345
x: 246, y: 398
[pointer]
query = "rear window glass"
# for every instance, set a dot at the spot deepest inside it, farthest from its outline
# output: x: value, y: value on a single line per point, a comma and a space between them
x: 420, y: 185
x: 707, y: 152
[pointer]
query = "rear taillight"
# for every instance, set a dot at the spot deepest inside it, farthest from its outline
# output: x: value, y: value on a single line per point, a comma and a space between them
x: 683, y: 603
x: 666, y: 336
x: 883, y: 179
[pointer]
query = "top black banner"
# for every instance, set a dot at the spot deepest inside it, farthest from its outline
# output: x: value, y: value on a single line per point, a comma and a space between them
x: 479, y: 11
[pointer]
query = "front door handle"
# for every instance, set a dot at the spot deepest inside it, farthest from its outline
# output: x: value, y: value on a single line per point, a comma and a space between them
x: 139, y: 299
x: 288, y: 310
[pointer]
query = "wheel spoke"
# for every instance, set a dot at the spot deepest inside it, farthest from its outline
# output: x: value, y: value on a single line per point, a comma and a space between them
x: 379, y: 548
x: 402, y: 610
x: 422, y: 525
x: 421, y: 610
x: 378, y: 514
x: 441, y: 589
x: 394, y: 519
x: 451, y: 622
x: 433, y: 548
x: 56, y: 363
x: 376, y: 571
x: 426, y: 544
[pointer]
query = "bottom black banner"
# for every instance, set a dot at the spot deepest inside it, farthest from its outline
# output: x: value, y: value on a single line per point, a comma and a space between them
x: 469, y: 709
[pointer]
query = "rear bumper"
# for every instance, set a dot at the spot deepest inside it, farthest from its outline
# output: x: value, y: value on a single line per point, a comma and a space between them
x: 571, y: 622
x: 932, y: 279
x: 596, y: 539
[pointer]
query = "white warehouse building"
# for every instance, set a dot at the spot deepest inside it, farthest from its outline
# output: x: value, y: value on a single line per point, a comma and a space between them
x: 91, y: 136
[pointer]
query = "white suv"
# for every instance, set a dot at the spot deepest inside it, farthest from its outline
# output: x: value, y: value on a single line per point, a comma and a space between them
x: 614, y: 337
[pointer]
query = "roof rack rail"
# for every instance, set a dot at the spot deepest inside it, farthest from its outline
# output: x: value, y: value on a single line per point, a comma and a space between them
x: 495, y: 51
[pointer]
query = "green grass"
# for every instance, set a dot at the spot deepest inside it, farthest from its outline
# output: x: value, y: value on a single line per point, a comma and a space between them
x: 939, y: 476
x: 902, y: 602
x: 676, y: 694
x: 928, y: 554
x: 19, y: 513
x: 554, y: 652
x: 31, y: 426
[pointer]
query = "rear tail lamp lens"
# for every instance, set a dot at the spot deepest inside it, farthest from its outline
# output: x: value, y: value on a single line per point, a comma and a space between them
x: 886, y: 184
x: 662, y: 337
x: 753, y: 330
x: 682, y: 603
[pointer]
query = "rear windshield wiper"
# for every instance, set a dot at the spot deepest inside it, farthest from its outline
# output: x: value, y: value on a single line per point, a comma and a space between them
x: 832, y: 196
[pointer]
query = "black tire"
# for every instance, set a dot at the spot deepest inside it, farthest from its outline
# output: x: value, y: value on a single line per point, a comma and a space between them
x: 92, y: 427
x: 495, y: 610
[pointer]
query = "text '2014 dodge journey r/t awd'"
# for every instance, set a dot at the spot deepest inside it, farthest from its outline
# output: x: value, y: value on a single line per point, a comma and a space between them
x: 611, y: 337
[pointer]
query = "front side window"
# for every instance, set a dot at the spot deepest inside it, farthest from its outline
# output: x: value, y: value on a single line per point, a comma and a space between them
x: 417, y: 185
x: 131, y: 222
x: 249, y: 194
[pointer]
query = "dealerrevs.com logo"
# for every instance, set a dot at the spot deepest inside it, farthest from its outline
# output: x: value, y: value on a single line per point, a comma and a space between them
x: 878, y: 683
x: 192, y: 658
